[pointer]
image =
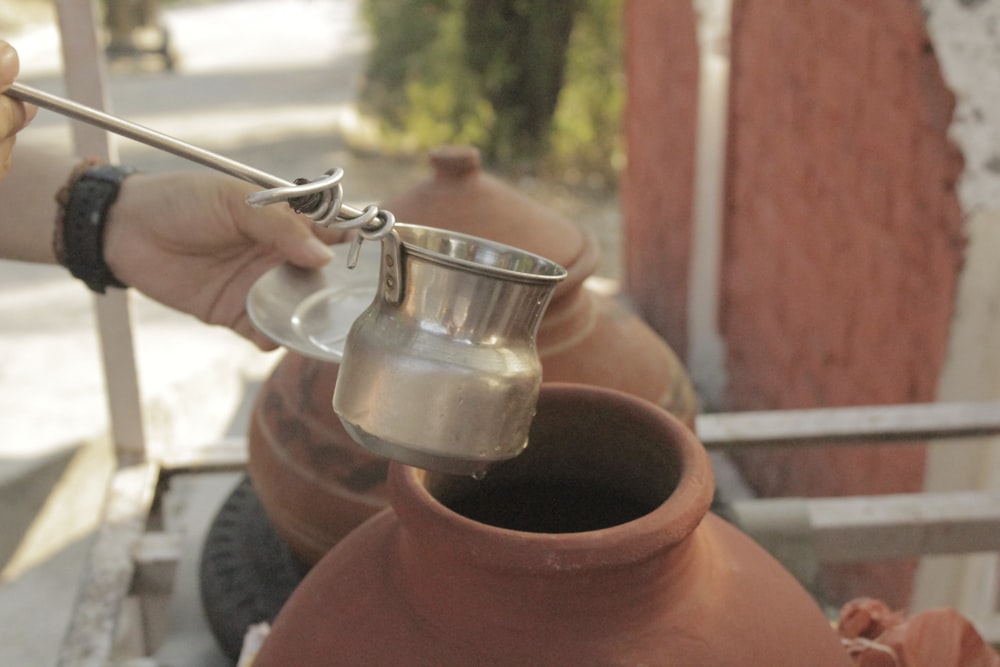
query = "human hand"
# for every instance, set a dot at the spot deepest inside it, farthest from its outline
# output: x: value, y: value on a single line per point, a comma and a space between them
x: 14, y: 115
x: 189, y: 240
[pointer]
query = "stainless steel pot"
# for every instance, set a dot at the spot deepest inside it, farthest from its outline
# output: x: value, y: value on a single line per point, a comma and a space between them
x: 441, y: 371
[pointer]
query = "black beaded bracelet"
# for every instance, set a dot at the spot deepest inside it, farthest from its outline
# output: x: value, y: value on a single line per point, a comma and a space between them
x: 79, y: 234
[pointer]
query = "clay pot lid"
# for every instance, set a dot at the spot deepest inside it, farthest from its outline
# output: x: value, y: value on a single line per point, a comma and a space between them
x: 461, y: 197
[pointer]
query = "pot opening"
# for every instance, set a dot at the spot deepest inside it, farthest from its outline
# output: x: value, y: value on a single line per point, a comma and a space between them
x: 548, y: 506
x: 582, y: 471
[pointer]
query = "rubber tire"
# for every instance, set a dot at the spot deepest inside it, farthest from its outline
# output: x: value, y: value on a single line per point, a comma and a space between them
x: 247, y: 571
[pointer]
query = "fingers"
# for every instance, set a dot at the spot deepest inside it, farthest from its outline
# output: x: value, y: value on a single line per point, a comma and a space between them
x: 263, y: 343
x: 329, y: 235
x: 14, y: 115
x: 245, y: 328
x: 291, y: 235
x: 9, y: 64
x: 30, y: 110
x: 307, y: 252
x: 6, y: 155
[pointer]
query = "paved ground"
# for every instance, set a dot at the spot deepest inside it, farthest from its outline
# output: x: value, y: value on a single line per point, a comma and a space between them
x: 279, y: 97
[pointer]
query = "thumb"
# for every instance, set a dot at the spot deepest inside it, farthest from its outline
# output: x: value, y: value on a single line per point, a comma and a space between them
x: 291, y: 236
x: 10, y: 66
x: 304, y: 250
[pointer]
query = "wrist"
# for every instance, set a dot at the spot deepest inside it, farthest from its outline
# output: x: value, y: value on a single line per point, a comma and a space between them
x: 84, y: 205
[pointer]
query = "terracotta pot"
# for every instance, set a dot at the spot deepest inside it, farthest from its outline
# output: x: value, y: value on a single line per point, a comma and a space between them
x: 594, y: 547
x: 313, y: 481
x: 300, y: 456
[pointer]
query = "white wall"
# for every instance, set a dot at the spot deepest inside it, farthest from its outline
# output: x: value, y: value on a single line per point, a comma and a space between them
x: 966, y: 38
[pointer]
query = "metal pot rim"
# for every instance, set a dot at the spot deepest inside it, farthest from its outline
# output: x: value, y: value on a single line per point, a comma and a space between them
x: 477, y: 254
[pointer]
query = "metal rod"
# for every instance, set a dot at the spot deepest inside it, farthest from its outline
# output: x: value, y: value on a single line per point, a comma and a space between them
x: 152, y: 138
x: 862, y: 425
x: 143, y: 134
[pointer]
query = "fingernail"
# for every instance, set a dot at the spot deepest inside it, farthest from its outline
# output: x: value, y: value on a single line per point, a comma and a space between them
x: 317, y: 250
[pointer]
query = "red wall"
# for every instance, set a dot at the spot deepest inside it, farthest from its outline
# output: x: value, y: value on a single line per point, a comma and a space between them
x: 842, y: 230
x: 661, y: 62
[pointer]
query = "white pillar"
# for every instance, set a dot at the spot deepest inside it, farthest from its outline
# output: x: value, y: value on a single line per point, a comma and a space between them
x: 970, y: 61
x: 706, y: 359
x: 86, y: 83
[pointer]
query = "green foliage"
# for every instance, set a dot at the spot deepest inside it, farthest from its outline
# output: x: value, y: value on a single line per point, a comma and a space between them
x: 587, y: 140
x: 517, y: 49
x: 404, y: 33
x: 527, y: 81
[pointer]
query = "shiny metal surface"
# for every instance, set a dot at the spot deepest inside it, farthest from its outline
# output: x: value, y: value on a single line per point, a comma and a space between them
x: 441, y: 371
x: 311, y: 312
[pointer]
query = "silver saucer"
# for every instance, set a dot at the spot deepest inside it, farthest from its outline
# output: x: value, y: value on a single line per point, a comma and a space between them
x: 311, y: 311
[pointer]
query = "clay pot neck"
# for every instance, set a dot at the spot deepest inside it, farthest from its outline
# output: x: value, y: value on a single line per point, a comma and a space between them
x: 607, y: 481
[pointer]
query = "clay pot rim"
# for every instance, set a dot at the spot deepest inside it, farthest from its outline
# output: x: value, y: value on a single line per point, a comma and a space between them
x: 624, y: 544
x: 580, y: 267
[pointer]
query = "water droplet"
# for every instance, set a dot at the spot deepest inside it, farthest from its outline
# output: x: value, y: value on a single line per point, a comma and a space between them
x: 479, y: 475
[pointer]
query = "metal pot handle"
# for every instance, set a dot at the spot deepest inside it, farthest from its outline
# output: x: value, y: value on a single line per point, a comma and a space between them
x: 392, y: 275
